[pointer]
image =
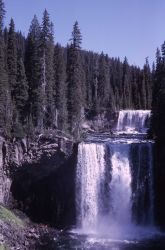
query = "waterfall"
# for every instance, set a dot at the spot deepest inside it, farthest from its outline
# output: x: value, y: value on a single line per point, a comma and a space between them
x: 120, y: 184
x: 114, y: 178
x: 133, y: 121
x: 90, y: 171
x: 142, y: 185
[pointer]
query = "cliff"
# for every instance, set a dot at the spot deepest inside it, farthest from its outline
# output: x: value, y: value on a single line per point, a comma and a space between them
x: 29, y: 168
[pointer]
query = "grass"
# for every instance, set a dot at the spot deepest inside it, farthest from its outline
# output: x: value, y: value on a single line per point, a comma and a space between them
x: 2, y: 247
x: 8, y: 216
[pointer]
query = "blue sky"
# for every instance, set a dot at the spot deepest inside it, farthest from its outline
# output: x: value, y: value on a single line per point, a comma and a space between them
x: 132, y: 28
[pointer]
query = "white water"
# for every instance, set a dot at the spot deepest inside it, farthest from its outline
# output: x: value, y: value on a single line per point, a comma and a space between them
x: 90, y: 171
x: 133, y: 121
x: 91, y: 177
x: 120, y: 185
x: 104, y: 178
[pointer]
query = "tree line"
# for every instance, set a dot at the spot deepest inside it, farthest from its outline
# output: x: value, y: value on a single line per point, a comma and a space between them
x: 158, y: 103
x: 46, y: 86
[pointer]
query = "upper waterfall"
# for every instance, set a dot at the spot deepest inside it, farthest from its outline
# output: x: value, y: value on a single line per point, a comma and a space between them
x: 133, y: 121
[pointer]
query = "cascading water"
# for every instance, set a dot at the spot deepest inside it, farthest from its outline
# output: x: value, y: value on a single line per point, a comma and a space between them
x: 114, y: 178
x: 90, y: 171
x: 120, y: 184
x: 133, y: 121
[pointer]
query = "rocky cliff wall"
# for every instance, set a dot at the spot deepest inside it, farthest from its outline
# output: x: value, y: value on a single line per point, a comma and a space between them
x: 50, y: 151
x: 159, y: 182
x: 11, y: 156
x: 103, y: 122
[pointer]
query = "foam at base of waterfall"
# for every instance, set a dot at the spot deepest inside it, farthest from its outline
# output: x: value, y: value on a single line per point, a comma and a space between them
x: 116, y: 232
x: 130, y: 131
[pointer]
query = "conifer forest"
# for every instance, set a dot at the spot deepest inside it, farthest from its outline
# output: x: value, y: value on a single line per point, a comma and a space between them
x: 46, y: 86
x: 82, y: 132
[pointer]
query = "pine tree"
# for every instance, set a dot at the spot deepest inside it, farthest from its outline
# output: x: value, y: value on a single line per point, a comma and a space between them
x: 147, y: 85
x: 22, y: 90
x: 103, y: 82
x: 126, y: 85
x: 158, y: 103
x: 12, y: 59
x: 60, y: 87
x: 5, y: 101
x: 2, y: 15
x: 20, y: 41
x: 33, y: 73
x: 47, y: 50
x: 75, y: 84
x: 135, y: 89
x: 76, y: 39
x: 88, y: 66
x: 20, y: 113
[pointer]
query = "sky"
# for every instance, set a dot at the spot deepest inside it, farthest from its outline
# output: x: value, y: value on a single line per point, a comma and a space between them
x: 119, y: 28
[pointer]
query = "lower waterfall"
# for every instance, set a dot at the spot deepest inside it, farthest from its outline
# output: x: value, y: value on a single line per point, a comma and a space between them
x: 114, y: 185
x: 90, y: 171
x: 115, y: 200
x: 120, y: 185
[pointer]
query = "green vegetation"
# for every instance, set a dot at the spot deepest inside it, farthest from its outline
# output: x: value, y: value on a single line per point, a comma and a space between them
x: 2, y: 247
x: 8, y: 216
x: 46, y: 86
x: 158, y: 104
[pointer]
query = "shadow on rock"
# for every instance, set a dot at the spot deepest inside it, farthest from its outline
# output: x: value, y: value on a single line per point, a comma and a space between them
x: 46, y: 190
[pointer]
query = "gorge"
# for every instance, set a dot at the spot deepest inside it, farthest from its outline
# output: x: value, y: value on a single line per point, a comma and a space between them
x: 105, y: 193
x: 114, y: 179
x: 115, y: 187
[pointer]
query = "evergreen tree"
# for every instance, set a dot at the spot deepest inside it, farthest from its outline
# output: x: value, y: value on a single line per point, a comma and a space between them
x: 88, y: 70
x: 116, y: 74
x: 5, y: 35
x: 60, y: 87
x: 20, y: 112
x: 2, y: 15
x: 127, y: 91
x: 147, y: 85
x: 12, y: 59
x: 5, y: 102
x: 75, y: 84
x: 33, y: 73
x: 158, y: 104
x: 21, y: 90
x: 135, y: 79
x: 20, y: 41
x: 47, y: 51
x: 76, y: 38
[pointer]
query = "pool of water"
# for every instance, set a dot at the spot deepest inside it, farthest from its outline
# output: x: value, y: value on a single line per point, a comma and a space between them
x: 79, y: 241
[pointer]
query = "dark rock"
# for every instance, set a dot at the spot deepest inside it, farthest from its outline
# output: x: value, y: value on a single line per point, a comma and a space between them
x: 159, y: 182
x: 103, y: 122
x: 46, y: 190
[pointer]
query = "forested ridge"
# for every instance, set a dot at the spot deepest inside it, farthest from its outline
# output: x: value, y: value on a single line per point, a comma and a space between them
x: 46, y: 86
x: 158, y: 104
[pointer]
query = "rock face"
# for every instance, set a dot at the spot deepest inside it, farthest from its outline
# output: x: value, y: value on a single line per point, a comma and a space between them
x: 39, y: 175
x: 46, y: 190
x: 159, y: 184
x: 102, y: 122
x: 43, y: 180
x: 18, y: 232
x: 11, y: 156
